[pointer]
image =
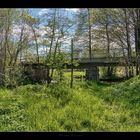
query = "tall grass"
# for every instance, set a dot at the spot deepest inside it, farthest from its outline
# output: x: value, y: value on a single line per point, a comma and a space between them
x: 89, y: 106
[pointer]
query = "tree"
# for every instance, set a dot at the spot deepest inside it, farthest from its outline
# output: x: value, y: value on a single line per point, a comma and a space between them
x: 59, y: 24
x: 89, y: 32
x: 71, y: 85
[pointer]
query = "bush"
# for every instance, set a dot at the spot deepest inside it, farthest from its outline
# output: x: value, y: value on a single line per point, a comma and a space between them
x: 59, y: 91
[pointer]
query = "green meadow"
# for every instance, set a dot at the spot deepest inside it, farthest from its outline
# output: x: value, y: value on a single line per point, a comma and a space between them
x: 88, y: 106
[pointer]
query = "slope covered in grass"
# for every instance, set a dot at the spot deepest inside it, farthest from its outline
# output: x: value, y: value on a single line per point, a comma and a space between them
x: 87, y: 107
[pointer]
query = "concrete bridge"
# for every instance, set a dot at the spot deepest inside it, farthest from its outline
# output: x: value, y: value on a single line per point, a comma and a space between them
x: 91, y: 65
x: 102, y: 61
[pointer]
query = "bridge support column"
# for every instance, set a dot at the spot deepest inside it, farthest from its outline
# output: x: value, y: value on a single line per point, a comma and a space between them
x: 1, y: 70
x: 92, y: 73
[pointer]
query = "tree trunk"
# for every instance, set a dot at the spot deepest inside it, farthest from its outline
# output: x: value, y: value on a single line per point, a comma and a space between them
x: 54, y: 55
x: 128, y: 42
x: 138, y: 39
x: 89, y: 33
x: 36, y: 45
x: 5, y: 49
x: 52, y: 40
x: 109, y: 69
x: 53, y: 33
x: 136, y: 48
x: 71, y: 85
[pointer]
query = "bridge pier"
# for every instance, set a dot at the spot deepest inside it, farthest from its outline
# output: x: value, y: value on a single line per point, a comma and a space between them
x: 1, y: 68
x: 92, y: 73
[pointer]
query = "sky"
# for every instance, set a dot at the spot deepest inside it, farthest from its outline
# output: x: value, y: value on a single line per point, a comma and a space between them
x: 35, y: 12
x: 40, y: 11
x: 70, y: 12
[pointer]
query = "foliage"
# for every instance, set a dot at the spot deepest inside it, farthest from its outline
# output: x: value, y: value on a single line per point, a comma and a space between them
x: 89, y: 106
x: 13, y: 76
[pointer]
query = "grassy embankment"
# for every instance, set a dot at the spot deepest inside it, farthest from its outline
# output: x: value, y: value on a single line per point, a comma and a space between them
x: 87, y: 107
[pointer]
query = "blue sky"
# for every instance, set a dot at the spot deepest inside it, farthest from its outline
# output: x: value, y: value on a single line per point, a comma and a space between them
x: 70, y: 12
x: 35, y: 11
x: 39, y: 11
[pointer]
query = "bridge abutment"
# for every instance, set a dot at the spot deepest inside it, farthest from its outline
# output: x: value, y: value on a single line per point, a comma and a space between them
x: 92, y: 73
x: 1, y: 67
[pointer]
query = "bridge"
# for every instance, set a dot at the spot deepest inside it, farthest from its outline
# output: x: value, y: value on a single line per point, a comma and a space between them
x: 91, y: 65
x: 102, y: 61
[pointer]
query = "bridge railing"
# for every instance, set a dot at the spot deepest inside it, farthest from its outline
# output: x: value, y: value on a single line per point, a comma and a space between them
x: 105, y: 59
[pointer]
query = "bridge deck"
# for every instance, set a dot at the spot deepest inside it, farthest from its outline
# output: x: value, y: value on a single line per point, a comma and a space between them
x: 87, y: 63
x: 104, y: 61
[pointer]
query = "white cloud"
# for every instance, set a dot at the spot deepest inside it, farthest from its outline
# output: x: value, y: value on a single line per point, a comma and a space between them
x: 72, y: 9
x: 42, y: 11
x: 16, y: 32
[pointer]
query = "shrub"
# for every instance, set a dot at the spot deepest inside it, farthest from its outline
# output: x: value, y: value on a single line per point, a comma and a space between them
x: 59, y: 91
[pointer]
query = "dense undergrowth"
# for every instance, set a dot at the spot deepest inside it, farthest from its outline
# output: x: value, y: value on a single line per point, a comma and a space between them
x: 89, y: 106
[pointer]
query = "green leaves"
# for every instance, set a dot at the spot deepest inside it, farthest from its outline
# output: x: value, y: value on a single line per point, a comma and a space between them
x: 89, y: 106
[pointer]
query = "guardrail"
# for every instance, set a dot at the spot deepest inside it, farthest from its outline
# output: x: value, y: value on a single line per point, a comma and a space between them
x: 105, y: 59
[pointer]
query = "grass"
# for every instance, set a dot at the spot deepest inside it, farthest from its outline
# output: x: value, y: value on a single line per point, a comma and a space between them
x: 75, y: 73
x: 89, y: 106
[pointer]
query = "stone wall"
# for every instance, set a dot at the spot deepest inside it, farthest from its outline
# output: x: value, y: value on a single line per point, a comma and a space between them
x: 92, y: 73
x: 39, y: 74
x: 36, y: 73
